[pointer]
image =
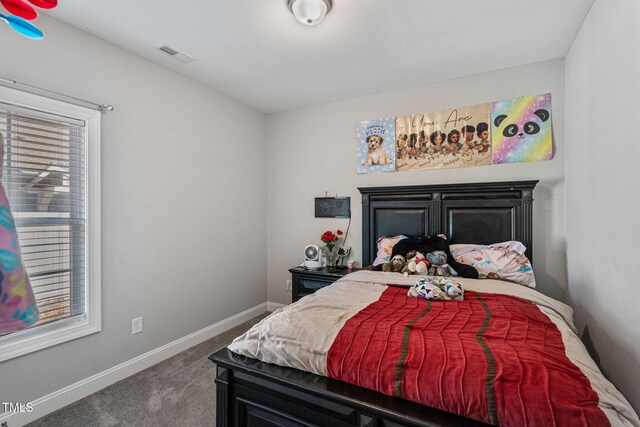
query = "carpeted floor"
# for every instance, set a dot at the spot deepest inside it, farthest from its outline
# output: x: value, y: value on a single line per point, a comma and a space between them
x: 177, y: 392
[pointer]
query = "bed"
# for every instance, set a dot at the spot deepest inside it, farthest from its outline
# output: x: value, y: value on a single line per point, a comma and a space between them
x: 366, y: 320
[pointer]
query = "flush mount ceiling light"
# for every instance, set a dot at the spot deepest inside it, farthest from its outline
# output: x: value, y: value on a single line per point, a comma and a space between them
x: 310, y: 12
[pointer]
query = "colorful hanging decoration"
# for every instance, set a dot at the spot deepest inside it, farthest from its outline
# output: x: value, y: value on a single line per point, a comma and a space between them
x: 23, y: 26
x: 44, y: 4
x: 18, y: 306
x: 20, y: 8
x: 21, y: 12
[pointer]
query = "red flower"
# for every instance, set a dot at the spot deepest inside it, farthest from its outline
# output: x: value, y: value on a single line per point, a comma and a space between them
x: 329, y: 238
x: 340, y: 233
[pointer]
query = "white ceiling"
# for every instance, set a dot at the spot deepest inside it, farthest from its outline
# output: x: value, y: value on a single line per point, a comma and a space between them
x: 255, y: 51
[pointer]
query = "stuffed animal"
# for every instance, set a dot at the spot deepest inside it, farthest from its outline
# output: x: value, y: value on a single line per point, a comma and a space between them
x: 397, y: 264
x: 429, y: 244
x: 417, y: 264
x: 439, y: 266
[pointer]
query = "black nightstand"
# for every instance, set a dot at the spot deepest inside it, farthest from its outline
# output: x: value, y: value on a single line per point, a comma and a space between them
x: 305, y: 282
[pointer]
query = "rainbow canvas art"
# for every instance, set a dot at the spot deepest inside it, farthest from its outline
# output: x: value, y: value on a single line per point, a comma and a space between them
x: 521, y: 129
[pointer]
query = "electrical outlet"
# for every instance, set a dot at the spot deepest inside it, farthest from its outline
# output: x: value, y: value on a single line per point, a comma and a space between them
x: 136, y: 325
x: 289, y: 287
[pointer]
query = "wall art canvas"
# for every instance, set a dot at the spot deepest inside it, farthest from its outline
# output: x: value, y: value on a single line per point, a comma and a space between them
x: 521, y: 129
x: 452, y: 138
x: 376, y: 145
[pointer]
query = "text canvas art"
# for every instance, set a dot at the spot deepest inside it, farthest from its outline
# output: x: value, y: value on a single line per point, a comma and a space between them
x: 521, y: 129
x: 452, y: 138
x: 376, y: 145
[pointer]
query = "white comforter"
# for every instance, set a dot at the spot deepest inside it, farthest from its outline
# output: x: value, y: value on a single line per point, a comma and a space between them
x: 300, y: 335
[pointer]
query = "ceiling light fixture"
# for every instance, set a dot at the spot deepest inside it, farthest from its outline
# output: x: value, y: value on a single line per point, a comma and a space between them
x: 310, y: 12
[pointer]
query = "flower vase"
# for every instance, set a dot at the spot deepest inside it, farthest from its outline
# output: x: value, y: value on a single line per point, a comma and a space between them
x: 330, y: 256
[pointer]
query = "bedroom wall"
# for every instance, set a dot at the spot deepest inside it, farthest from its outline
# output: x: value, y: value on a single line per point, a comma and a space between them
x: 312, y: 150
x: 177, y: 188
x: 602, y: 91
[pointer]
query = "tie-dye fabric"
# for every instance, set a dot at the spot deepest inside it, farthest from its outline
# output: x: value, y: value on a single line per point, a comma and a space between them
x: 18, y: 308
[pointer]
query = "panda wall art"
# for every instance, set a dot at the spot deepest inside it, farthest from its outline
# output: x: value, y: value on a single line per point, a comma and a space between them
x: 521, y: 129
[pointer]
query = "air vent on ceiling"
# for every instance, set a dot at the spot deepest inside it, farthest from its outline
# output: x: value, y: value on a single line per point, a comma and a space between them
x: 176, y: 54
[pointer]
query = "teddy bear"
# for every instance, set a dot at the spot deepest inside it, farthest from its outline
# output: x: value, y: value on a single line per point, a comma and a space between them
x: 438, y: 264
x: 417, y: 264
x: 397, y: 264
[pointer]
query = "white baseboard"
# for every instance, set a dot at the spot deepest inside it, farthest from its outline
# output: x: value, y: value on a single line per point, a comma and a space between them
x: 74, y: 392
x: 273, y: 306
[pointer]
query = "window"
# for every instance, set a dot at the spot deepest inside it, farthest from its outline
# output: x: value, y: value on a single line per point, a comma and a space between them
x: 51, y: 175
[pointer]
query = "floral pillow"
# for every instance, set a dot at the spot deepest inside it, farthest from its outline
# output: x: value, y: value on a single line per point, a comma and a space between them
x: 385, y: 246
x: 505, y: 261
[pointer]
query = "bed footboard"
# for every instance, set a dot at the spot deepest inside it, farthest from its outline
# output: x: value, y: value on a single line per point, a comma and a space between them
x: 253, y: 393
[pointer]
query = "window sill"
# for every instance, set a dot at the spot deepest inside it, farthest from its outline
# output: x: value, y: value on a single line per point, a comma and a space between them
x: 41, y: 337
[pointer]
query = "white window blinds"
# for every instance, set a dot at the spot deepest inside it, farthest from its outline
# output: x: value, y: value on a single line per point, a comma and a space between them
x: 45, y: 179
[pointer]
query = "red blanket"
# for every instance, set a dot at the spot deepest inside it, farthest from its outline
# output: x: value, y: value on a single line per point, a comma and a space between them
x: 493, y: 358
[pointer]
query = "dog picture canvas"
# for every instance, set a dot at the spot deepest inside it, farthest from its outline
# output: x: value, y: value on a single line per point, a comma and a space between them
x: 521, y: 129
x: 376, y: 145
x: 451, y: 138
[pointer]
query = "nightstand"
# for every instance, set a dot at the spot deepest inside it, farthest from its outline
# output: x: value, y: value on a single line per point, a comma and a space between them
x: 305, y: 282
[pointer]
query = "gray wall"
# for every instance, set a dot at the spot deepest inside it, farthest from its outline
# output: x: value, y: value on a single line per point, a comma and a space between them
x: 173, y: 148
x: 312, y: 150
x: 182, y: 176
x: 602, y: 89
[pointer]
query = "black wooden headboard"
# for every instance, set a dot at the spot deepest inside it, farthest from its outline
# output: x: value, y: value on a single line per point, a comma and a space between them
x: 480, y: 213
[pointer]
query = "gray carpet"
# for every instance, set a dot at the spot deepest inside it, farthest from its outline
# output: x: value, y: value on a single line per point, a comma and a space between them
x: 177, y: 392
